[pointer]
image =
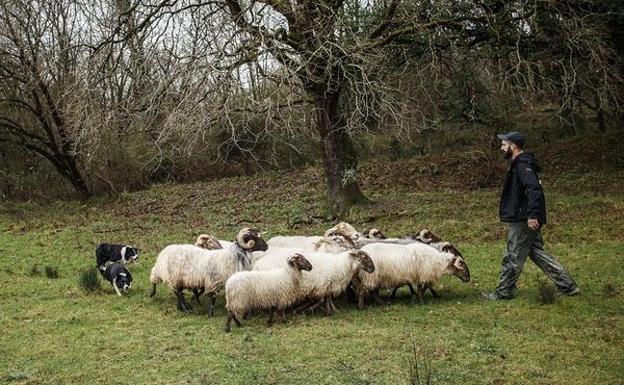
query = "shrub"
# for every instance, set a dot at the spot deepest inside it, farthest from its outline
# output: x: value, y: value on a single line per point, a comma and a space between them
x: 51, y: 272
x: 547, y: 293
x: 89, y: 279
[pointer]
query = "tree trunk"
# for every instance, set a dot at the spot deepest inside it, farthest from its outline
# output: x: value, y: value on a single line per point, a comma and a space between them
x: 339, y: 156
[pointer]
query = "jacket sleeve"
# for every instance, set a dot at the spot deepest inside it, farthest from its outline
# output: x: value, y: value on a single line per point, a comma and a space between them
x: 533, y: 189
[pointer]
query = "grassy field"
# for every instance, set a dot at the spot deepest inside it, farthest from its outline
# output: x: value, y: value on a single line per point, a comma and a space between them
x: 54, y: 332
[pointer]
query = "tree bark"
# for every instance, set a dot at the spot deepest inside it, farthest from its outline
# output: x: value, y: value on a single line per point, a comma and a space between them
x: 339, y: 156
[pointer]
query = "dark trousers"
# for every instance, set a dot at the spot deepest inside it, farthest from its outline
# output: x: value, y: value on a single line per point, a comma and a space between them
x: 523, y: 242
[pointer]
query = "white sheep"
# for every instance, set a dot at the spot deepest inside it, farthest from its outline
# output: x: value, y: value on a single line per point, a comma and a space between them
x: 191, y: 267
x: 335, y: 243
x: 397, y: 265
x: 274, y: 289
x: 330, y: 277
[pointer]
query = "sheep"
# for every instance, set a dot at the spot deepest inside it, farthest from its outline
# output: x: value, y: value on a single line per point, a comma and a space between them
x: 397, y: 265
x: 274, y: 289
x: 374, y: 234
x: 330, y: 277
x: 333, y: 243
x: 208, y: 242
x: 346, y: 229
x: 191, y: 267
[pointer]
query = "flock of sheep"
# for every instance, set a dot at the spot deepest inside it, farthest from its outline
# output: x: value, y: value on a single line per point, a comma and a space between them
x: 304, y: 271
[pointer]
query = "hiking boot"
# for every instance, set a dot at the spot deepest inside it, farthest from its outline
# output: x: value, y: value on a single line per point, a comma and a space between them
x: 492, y: 296
x: 570, y: 293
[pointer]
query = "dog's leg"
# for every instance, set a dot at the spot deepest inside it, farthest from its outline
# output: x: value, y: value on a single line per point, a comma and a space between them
x: 116, y: 288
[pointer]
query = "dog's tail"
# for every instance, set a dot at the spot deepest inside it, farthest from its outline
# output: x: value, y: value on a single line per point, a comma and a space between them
x: 102, y: 270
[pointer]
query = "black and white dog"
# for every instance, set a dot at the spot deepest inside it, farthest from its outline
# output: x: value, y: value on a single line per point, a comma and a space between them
x: 118, y: 275
x: 107, y: 252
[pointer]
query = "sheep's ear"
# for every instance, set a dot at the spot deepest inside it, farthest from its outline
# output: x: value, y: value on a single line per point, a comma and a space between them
x: 458, y: 263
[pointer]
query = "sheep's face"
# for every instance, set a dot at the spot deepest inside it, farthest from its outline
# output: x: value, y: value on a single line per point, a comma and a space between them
x: 251, y: 240
x: 123, y: 282
x: 426, y: 236
x: 448, y: 248
x: 365, y: 261
x: 129, y: 254
x: 335, y: 243
x: 208, y: 242
x: 299, y: 262
x: 460, y: 269
x: 345, y: 229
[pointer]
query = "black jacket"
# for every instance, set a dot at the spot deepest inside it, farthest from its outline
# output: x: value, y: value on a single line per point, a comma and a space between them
x: 523, y: 196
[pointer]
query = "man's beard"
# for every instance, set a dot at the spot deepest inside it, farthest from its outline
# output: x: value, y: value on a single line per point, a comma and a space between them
x: 508, y: 154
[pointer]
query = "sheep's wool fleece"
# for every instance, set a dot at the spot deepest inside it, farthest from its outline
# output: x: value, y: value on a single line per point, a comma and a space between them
x: 396, y: 265
x: 189, y: 266
x: 330, y: 274
x: 299, y: 242
x: 248, y: 290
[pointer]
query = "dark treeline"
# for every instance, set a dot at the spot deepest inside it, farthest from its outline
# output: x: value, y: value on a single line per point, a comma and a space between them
x: 101, y: 97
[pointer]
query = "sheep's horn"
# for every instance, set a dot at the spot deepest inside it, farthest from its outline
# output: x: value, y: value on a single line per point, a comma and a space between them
x: 240, y: 239
x: 423, y: 236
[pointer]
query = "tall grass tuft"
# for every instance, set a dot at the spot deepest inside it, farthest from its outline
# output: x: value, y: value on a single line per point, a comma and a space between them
x: 89, y: 279
x: 34, y: 271
x: 546, y: 292
x: 415, y: 373
x: 51, y: 272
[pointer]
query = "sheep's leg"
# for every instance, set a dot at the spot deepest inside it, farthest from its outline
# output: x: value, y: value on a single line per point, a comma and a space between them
x: 270, y: 320
x: 351, y: 293
x: 331, y: 302
x: 153, y: 293
x: 247, y: 314
x: 434, y: 293
x: 196, y: 294
x: 411, y: 289
x: 211, y: 305
x: 421, y: 295
x: 283, y: 315
x: 182, y: 304
x: 360, y: 300
x: 231, y: 317
x: 328, y: 310
x: 393, y: 296
x: 378, y: 299
x: 317, y: 304
x: 308, y: 305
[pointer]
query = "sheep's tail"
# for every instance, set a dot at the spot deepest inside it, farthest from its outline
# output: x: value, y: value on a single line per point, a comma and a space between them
x: 154, y: 279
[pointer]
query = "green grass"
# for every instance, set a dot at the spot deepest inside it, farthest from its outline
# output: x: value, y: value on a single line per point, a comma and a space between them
x: 53, y: 332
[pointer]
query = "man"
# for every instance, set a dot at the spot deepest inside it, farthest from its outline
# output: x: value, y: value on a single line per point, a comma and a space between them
x: 523, y: 206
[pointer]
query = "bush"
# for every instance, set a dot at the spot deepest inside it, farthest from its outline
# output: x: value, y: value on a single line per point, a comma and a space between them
x: 34, y: 271
x: 89, y: 279
x: 51, y: 272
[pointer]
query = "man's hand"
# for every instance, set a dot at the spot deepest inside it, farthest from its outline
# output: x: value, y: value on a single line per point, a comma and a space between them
x: 533, y: 224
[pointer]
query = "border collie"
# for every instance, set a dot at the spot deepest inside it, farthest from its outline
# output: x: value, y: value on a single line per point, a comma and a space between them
x: 118, y: 276
x: 106, y: 252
